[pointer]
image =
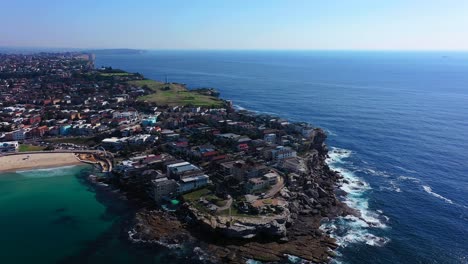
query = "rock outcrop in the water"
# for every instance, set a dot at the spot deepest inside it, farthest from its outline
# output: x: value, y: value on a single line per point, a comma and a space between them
x: 162, y: 229
x: 246, y: 228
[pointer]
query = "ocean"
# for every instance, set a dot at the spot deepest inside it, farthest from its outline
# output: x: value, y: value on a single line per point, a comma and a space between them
x: 397, y: 130
x: 55, y: 215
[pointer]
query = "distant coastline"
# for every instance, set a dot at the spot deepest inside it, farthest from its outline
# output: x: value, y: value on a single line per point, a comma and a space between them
x: 116, y: 51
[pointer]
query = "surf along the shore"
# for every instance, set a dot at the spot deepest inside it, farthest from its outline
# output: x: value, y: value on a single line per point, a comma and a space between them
x: 354, y: 229
x: 36, y: 160
x: 40, y: 160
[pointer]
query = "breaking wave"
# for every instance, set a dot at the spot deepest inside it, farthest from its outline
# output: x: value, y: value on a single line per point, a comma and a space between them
x: 238, y: 107
x: 377, y: 173
x: 405, y: 169
x: 393, y: 186
x: 354, y: 229
x: 429, y: 191
x: 45, y: 172
x: 330, y: 132
x: 407, y: 178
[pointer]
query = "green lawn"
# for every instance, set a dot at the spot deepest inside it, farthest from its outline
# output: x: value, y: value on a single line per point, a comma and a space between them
x: 193, y: 198
x: 235, y: 212
x: 175, y: 94
x: 109, y: 74
x: 27, y: 147
x: 219, y: 202
x: 195, y: 195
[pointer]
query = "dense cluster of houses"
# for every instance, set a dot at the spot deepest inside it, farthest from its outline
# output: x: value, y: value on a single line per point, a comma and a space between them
x: 237, y: 151
x: 175, y: 149
x: 61, y: 95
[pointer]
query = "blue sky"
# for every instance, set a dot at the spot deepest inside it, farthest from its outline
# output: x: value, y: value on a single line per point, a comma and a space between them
x: 239, y: 24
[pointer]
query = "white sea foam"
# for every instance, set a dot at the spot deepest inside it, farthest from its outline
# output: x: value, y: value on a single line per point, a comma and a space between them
x: 393, y: 186
x: 405, y: 169
x: 335, y: 261
x: 238, y: 107
x: 352, y: 229
x: 376, y: 173
x: 45, y: 172
x: 294, y: 259
x: 252, y: 261
x: 336, y: 155
x: 330, y: 133
x: 429, y: 191
x: 407, y: 178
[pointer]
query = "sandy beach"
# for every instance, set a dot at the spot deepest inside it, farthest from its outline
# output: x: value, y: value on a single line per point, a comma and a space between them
x: 32, y: 161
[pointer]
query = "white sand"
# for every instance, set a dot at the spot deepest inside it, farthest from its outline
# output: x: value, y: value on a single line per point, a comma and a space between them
x: 40, y: 160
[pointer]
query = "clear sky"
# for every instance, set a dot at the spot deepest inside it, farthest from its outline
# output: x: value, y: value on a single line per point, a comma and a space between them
x: 236, y: 24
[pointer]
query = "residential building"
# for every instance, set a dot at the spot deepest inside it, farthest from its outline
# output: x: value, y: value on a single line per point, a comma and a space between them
x: 192, y: 183
x: 17, y: 135
x: 10, y: 146
x: 128, y: 115
x: 227, y: 167
x: 114, y: 142
x: 65, y: 130
x: 163, y: 187
x: 256, y: 184
x: 293, y: 164
x: 271, y: 177
x: 282, y: 152
x: 149, y: 121
x: 270, y: 138
x: 177, y: 169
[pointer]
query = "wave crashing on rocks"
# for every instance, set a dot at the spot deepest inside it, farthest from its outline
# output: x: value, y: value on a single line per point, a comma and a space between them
x: 354, y: 229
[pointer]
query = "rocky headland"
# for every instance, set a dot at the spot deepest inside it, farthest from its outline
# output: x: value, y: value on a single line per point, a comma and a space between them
x: 295, y: 231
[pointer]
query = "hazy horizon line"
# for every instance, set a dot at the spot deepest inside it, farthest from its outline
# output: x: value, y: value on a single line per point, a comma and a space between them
x: 38, y: 48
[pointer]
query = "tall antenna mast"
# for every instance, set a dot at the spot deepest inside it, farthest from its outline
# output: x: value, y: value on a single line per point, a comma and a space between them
x: 166, y: 78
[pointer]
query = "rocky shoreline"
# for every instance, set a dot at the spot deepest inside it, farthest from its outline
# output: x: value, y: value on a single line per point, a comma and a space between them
x: 295, y: 232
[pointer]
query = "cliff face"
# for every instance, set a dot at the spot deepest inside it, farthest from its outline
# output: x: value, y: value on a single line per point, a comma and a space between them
x: 318, y: 142
x: 315, y: 194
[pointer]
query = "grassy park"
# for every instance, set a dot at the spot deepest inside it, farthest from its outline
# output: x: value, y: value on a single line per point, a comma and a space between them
x: 111, y: 74
x: 173, y: 94
x: 28, y: 147
x: 89, y: 141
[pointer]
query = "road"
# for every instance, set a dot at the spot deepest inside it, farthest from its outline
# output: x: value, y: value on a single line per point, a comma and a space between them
x: 275, y: 189
x: 226, y: 206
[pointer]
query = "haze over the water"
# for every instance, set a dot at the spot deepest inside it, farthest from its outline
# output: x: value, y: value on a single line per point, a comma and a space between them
x: 240, y: 24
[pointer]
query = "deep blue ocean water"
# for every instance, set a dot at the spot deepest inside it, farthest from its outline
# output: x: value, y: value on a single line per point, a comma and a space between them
x: 397, y: 125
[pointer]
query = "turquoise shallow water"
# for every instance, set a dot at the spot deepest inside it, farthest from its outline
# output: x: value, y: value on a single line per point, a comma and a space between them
x: 47, y: 215
x: 55, y: 216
